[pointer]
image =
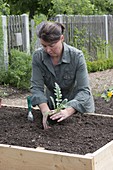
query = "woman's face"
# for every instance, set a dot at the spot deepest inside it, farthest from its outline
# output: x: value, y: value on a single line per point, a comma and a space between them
x: 53, y: 49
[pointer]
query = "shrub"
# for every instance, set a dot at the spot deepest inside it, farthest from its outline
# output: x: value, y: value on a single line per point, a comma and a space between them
x: 100, y: 65
x: 19, y: 70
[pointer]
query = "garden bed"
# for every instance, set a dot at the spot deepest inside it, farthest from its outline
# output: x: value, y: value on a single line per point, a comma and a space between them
x: 80, y: 142
x: 79, y: 134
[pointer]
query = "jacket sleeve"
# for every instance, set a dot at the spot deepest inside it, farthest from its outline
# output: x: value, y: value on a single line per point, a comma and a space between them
x: 37, y: 82
x: 83, y: 99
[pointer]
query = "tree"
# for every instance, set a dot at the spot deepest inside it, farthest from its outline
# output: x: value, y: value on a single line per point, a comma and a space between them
x: 51, y: 8
x: 103, y: 6
x: 4, y: 8
x: 72, y: 7
x: 81, y: 7
x: 31, y: 7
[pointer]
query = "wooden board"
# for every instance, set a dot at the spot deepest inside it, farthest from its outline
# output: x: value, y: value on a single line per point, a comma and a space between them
x: 23, y: 158
x: 20, y: 158
x: 103, y: 157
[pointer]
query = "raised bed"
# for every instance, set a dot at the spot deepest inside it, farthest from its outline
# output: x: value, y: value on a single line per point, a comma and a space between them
x: 22, y: 158
x: 13, y: 157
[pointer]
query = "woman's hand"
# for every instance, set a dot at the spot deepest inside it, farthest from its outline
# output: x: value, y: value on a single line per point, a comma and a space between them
x: 63, y: 114
x: 45, y: 116
x: 44, y: 110
x: 44, y: 121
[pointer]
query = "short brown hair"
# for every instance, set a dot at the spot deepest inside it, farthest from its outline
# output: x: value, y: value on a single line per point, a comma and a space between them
x: 50, y: 31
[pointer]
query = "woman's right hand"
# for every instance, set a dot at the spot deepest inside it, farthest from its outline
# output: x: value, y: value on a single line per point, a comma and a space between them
x: 45, y: 117
x: 44, y: 121
x: 44, y: 110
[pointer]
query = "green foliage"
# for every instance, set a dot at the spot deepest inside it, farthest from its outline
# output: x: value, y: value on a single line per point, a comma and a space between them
x: 107, y: 94
x: 30, y: 7
x: 19, y: 70
x: 72, y: 7
x: 58, y: 103
x: 4, y: 8
x: 98, y: 48
x: 53, y: 7
x: 103, y: 7
x: 80, y: 41
x: 39, y: 18
x: 80, y: 37
x: 3, y: 94
x: 100, y: 65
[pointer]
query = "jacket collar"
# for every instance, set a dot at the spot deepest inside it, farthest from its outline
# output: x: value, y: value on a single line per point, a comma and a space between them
x: 65, y: 55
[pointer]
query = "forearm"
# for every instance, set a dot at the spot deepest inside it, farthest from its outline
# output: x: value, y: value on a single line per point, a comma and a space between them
x: 44, y: 107
x: 83, y: 102
x: 70, y: 110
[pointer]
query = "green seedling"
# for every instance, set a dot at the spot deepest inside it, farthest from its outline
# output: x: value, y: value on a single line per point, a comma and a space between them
x: 58, y: 103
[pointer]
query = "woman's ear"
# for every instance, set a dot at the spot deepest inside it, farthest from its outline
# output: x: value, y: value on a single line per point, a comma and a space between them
x: 62, y: 38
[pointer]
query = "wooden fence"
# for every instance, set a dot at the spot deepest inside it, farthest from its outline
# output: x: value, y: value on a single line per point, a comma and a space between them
x: 18, y: 32
x: 15, y: 35
x: 89, y: 31
x: 95, y: 31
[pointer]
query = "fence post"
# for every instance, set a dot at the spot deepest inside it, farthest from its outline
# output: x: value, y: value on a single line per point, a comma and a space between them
x: 106, y: 34
x: 59, y: 18
x: 25, y: 33
x: 32, y: 29
x: 5, y: 43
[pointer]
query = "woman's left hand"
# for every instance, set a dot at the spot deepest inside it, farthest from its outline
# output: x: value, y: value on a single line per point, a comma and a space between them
x: 63, y: 114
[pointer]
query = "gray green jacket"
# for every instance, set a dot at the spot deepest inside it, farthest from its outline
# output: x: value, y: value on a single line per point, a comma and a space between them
x: 70, y: 74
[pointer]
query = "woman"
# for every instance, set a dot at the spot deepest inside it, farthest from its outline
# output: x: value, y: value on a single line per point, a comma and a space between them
x: 58, y: 62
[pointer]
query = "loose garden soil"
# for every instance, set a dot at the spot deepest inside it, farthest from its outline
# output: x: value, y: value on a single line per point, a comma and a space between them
x: 80, y: 133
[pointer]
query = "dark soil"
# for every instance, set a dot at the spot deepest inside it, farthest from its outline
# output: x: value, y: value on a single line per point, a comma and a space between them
x: 80, y: 134
x: 103, y: 107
